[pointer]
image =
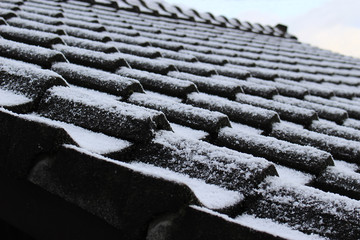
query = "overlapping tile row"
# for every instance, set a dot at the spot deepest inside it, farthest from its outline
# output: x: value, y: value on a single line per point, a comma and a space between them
x: 79, y: 69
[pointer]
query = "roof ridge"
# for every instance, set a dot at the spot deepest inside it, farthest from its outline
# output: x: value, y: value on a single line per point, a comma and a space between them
x: 164, y: 9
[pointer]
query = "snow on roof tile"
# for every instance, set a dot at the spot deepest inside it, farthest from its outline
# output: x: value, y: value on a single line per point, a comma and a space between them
x: 204, y: 70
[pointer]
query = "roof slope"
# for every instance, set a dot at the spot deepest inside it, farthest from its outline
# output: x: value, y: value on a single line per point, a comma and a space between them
x: 169, y: 122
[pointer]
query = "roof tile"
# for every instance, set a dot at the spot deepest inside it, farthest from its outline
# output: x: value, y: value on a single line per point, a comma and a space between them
x: 101, y: 113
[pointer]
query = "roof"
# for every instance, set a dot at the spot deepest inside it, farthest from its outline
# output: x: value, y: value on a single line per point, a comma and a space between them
x: 170, y: 123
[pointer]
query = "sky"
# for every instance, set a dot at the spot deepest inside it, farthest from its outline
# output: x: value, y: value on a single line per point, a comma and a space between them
x: 328, y: 24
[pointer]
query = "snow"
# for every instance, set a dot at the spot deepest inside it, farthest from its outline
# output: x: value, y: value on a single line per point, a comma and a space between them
x: 187, y: 132
x: 158, y: 82
x: 89, y: 140
x: 25, y: 51
x: 180, y: 112
x: 205, y: 152
x: 8, y: 98
x: 211, y: 196
x: 30, y: 24
x: 237, y: 112
x: 271, y: 148
x: 292, y: 176
x: 274, y: 228
x: 101, y: 100
x: 286, y: 111
x: 331, y: 128
x: 308, y: 197
x: 206, y: 84
x: 244, y: 128
x: 331, y: 113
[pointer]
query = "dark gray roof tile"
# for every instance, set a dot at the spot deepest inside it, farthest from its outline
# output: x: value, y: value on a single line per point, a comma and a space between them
x: 33, y: 37
x: 313, y: 88
x: 196, y: 68
x: 105, y: 61
x: 202, y: 160
x: 159, y: 83
x: 180, y: 55
x: 147, y: 52
x: 28, y: 53
x: 39, y: 18
x: 331, y: 128
x: 299, y: 157
x: 283, y: 89
x: 84, y: 24
x: 286, y: 111
x: 73, y: 178
x: 27, y: 79
x: 41, y: 11
x: 183, y: 114
x: 353, y: 111
x: 238, y: 112
x: 35, y: 25
x: 250, y: 87
x: 311, y: 210
x: 340, y: 148
x: 86, y: 34
x: 143, y: 63
x: 89, y: 44
x: 130, y: 40
x: 344, y: 181
x: 226, y: 89
x: 124, y: 31
x: 330, y: 113
x: 97, y: 79
x: 101, y: 113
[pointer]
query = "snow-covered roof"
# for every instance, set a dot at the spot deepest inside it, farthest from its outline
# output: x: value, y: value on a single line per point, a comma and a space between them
x: 168, y: 123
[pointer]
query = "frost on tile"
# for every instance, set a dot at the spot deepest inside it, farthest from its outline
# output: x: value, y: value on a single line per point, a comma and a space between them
x: 97, y: 79
x: 341, y: 178
x: 331, y: 128
x: 303, y: 158
x: 159, y: 83
x: 89, y: 58
x: 286, y: 111
x: 181, y: 113
x: 308, y: 210
x: 28, y: 53
x: 330, y: 113
x: 210, y: 195
x: 27, y: 79
x: 197, y: 159
x: 237, y: 112
x: 353, y: 110
x: 33, y: 37
x: 340, y: 148
x: 101, y: 113
x: 89, y: 140
x: 226, y: 89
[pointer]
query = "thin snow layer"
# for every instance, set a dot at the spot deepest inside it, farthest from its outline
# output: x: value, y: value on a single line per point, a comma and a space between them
x: 305, y: 198
x: 187, y: 132
x: 165, y: 97
x: 100, y: 100
x: 211, y: 196
x: 30, y: 51
x: 89, y: 140
x: 244, y: 128
x: 290, y: 175
x: 8, y: 98
x: 204, y: 152
x: 272, y: 227
x: 331, y: 128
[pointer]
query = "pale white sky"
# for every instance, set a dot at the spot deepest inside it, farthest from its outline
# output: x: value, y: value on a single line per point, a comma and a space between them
x: 329, y: 24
